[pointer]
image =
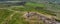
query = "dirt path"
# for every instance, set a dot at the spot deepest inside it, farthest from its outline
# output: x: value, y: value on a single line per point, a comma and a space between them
x: 9, y: 17
x: 42, y: 17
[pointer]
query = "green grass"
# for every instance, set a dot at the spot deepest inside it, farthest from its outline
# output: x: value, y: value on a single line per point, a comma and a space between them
x: 4, y: 13
x: 30, y: 4
x: 38, y: 9
x: 23, y: 9
x: 17, y: 19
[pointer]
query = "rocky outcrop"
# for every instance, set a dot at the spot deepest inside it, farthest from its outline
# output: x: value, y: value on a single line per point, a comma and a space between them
x: 46, y: 20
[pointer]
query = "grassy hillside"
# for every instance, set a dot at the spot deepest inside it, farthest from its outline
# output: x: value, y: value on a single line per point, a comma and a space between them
x: 13, y: 15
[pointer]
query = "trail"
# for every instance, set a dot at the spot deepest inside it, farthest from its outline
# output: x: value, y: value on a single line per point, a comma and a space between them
x: 42, y: 17
x: 9, y: 17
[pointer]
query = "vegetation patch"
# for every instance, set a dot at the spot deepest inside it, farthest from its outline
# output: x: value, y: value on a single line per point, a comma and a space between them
x: 4, y: 14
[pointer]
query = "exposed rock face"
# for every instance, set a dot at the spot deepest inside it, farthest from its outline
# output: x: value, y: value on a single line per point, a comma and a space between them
x: 37, y: 17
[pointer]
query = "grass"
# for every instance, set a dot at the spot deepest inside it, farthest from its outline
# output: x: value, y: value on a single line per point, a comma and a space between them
x: 39, y: 9
x: 17, y: 19
x: 4, y: 13
x: 30, y: 4
x: 23, y: 9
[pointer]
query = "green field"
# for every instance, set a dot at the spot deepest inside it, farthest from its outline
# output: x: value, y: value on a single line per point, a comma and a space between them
x: 16, y: 18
